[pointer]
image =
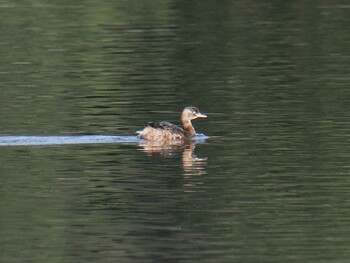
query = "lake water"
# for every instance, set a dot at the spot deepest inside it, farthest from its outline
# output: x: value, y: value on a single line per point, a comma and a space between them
x: 270, y: 184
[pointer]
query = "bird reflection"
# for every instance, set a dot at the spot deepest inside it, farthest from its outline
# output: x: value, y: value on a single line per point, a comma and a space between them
x: 191, y: 164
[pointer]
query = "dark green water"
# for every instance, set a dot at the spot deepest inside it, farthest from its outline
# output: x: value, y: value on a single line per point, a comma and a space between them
x: 271, y: 184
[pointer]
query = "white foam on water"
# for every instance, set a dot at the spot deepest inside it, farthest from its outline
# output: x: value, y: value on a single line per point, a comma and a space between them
x: 65, y: 139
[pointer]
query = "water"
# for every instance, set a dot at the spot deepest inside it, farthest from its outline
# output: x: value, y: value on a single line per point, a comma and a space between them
x: 270, y: 184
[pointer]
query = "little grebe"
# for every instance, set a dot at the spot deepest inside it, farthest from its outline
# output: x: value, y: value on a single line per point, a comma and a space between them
x: 156, y: 131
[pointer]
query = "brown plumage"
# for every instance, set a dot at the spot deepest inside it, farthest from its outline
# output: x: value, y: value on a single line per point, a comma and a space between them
x: 157, y: 131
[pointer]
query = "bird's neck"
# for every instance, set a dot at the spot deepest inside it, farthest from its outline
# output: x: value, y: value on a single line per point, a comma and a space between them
x: 188, y: 127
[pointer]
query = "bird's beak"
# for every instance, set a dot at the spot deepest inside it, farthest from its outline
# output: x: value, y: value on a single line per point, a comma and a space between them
x: 200, y: 115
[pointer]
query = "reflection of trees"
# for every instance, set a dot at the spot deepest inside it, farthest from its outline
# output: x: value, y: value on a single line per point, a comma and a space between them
x: 191, y: 164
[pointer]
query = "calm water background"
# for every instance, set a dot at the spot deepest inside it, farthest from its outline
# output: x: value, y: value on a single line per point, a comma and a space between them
x: 271, y: 184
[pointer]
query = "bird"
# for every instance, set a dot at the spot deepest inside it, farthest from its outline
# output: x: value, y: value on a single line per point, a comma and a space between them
x: 165, y: 131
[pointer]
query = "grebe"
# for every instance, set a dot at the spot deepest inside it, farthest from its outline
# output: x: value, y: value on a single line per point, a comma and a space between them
x: 157, y: 131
